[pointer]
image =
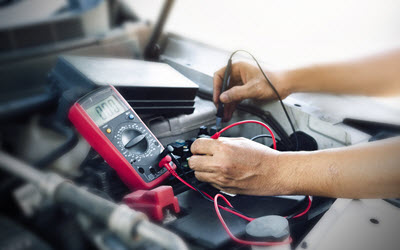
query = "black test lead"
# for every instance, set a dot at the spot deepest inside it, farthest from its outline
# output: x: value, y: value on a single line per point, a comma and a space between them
x: 225, y: 82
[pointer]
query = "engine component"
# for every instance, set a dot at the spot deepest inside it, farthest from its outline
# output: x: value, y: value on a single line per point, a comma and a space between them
x: 270, y: 228
x: 149, y: 87
x: 199, y: 223
x: 98, y: 176
x: 14, y: 236
x: 119, y: 219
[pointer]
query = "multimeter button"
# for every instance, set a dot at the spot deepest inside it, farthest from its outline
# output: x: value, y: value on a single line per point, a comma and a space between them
x: 130, y: 116
x: 108, y: 130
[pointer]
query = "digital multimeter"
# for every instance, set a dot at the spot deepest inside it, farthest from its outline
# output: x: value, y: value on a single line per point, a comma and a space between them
x: 116, y: 132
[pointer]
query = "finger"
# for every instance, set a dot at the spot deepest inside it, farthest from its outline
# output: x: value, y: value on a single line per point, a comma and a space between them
x: 217, y: 84
x: 237, y: 69
x: 203, y: 146
x: 234, y: 94
x: 202, y: 163
x: 235, y: 79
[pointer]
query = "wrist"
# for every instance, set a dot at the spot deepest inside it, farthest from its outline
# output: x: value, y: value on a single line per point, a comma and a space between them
x: 284, y: 83
x: 278, y: 174
x: 304, y: 173
x: 291, y: 173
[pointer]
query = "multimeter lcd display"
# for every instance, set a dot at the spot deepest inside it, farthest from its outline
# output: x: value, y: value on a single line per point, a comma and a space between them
x: 105, y: 110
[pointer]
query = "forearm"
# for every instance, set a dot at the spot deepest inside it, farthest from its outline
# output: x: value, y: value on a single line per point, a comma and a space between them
x: 373, y: 76
x: 371, y: 170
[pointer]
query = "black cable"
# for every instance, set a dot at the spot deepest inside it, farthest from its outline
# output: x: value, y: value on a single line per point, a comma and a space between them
x: 260, y: 136
x: 295, y: 213
x: 273, y: 89
x: 70, y: 142
x: 225, y: 82
x: 263, y: 136
x: 30, y: 102
x: 166, y: 151
x: 90, y: 156
x: 268, y: 119
x: 265, y: 116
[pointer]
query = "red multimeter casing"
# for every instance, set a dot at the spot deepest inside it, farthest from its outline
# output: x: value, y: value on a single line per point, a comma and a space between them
x: 116, y: 132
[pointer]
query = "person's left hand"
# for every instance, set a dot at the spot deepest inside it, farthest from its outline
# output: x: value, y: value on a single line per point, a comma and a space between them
x: 236, y: 165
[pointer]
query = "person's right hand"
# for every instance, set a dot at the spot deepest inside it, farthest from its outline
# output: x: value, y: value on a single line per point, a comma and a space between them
x: 246, y: 82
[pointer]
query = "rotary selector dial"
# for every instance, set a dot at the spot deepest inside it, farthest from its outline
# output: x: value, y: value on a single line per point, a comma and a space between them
x: 134, y: 142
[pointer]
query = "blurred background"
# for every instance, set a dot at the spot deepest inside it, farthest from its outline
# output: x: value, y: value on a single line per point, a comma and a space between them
x: 286, y: 33
x: 283, y: 33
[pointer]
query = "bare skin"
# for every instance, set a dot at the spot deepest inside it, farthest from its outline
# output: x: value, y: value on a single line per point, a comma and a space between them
x: 238, y: 165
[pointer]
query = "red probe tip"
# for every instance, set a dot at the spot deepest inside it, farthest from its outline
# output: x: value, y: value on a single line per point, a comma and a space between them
x: 216, y: 135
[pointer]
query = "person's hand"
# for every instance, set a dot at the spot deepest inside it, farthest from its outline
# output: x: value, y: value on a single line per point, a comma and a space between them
x: 246, y: 82
x: 237, y: 165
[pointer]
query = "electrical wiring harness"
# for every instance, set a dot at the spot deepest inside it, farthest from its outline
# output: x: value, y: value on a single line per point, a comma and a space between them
x: 165, y: 162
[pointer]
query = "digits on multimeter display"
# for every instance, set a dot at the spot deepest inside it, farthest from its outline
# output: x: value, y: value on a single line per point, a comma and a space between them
x: 106, y: 110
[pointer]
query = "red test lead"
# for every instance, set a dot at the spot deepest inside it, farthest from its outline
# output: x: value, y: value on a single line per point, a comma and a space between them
x: 167, y: 159
x: 218, y: 134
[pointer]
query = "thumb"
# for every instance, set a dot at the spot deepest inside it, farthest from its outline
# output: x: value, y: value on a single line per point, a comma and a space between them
x: 234, y: 94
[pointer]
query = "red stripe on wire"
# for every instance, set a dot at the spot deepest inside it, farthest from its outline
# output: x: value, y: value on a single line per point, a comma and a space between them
x: 216, y: 206
x: 209, y: 196
x: 218, y: 134
x: 306, y: 210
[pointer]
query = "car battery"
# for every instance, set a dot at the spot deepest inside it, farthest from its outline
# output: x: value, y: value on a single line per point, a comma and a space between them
x: 186, y: 126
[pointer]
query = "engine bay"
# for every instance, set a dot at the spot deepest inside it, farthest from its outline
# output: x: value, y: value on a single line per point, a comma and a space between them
x: 95, y: 150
